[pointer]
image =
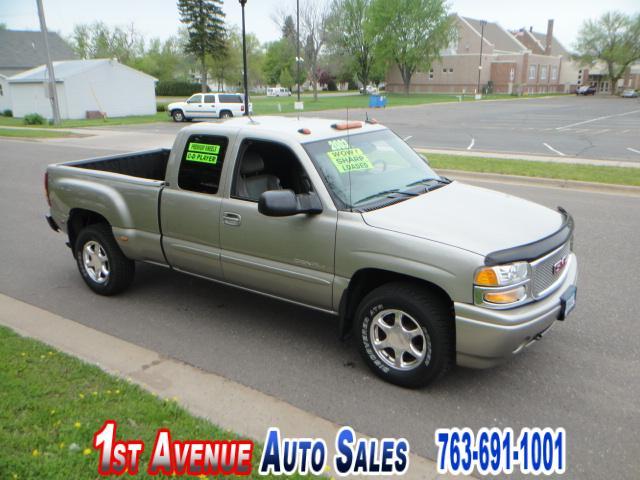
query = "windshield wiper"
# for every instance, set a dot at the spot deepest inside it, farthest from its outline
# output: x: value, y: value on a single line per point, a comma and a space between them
x: 438, y: 181
x: 386, y: 193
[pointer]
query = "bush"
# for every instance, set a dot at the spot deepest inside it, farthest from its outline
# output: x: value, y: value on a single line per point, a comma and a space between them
x: 161, y: 107
x: 173, y: 88
x: 7, y: 113
x: 34, y: 119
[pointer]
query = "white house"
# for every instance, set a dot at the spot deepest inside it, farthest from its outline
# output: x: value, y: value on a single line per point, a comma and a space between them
x: 102, y: 85
x: 5, y: 99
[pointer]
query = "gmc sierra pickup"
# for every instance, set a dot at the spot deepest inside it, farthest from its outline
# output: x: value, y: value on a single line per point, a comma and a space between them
x: 343, y: 217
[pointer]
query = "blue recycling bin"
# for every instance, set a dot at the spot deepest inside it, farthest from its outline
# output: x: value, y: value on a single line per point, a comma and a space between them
x: 377, y: 101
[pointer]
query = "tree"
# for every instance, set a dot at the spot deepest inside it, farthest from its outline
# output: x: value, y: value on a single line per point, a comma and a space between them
x: 280, y: 56
x: 314, y: 19
x: 614, y: 39
x: 207, y: 35
x: 413, y: 32
x: 351, y: 34
x: 286, y: 79
x: 98, y: 40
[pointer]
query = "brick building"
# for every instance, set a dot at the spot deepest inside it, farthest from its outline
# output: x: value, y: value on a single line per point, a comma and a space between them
x: 511, y: 62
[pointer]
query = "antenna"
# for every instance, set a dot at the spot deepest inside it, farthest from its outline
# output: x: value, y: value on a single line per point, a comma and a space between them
x: 349, y: 173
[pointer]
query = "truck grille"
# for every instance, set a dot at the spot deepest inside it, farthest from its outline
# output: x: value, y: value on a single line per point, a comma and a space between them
x: 543, y: 275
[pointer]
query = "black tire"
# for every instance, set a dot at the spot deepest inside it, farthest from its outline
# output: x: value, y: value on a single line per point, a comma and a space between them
x: 121, y: 270
x: 225, y: 114
x: 178, y: 116
x: 436, y: 333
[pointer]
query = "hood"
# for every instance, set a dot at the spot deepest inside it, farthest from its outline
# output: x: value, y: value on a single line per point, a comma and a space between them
x: 468, y: 217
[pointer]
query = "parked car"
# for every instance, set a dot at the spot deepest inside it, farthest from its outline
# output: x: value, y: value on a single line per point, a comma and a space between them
x: 278, y: 92
x: 208, y: 105
x: 586, y: 90
x: 341, y: 217
x: 630, y: 93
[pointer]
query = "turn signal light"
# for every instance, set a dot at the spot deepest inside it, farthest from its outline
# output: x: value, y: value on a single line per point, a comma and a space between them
x: 509, y: 296
x: 487, y: 277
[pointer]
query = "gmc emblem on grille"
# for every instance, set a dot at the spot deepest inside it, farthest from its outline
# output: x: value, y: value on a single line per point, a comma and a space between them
x: 559, y: 265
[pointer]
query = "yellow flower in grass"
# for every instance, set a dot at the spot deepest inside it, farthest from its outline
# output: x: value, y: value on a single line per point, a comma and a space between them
x: 77, y: 424
x: 24, y: 354
x: 86, y: 451
x: 81, y: 395
x: 95, y: 394
x: 117, y: 392
x: 50, y: 352
x: 52, y: 412
x: 35, y: 453
x: 61, y: 446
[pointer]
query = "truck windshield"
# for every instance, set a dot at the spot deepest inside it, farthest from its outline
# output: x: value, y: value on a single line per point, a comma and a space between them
x: 368, y: 167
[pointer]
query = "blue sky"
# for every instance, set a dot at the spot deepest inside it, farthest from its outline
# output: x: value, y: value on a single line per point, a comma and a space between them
x: 159, y: 18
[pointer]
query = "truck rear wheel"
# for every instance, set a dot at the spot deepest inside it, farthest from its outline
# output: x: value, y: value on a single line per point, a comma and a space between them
x: 226, y: 114
x: 405, y: 334
x: 103, y: 266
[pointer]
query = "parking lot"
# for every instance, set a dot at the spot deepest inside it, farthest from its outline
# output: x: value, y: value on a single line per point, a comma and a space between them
x: 566, y: 126
x: 584, y: 376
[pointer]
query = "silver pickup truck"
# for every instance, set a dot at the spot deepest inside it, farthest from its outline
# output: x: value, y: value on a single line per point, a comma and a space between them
x: 342, y: 217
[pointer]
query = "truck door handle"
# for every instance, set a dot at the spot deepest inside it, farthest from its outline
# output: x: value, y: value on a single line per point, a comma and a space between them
x: 231, y: 219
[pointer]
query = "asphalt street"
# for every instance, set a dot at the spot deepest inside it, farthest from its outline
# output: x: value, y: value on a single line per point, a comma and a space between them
x: 583, y: 376
x: 600, y: 127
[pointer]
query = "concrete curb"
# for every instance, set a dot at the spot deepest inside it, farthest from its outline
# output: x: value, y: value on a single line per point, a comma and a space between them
x: 541, y: 182
x: 224, y: 402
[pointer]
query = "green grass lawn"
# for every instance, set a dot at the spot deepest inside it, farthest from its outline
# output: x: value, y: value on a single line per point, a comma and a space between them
x: 29, y: 133
x: 269, y: 105
x: 51, y: 404
x: 528, y: 168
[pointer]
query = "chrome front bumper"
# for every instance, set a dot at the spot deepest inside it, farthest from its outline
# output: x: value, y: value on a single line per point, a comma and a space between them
x: 486, y: 337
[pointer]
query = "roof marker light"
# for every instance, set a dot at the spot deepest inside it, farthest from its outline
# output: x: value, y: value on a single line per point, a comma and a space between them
x: 346, y: 125
x: 304, y: 131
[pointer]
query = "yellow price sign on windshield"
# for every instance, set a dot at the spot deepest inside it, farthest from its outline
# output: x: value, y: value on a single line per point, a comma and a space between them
x: 350, y: 160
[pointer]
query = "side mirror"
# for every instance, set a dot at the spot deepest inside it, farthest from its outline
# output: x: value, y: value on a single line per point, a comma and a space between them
x: 284, y: 203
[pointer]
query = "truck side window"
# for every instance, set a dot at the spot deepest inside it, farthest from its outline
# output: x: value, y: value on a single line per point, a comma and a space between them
x: 201, y: 163
x: 263, y: 166
x: 209, y: 99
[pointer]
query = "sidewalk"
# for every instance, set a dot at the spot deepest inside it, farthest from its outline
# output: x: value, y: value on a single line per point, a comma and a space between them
x: 224, y: 402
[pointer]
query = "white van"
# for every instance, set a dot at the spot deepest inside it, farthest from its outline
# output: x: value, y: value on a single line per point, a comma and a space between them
x: 278, y: 92
x: 208, y: 105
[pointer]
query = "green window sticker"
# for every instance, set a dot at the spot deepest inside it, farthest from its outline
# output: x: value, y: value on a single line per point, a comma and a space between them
x: 204, y: 148
x: 349, y: 160
x: 202, y: 157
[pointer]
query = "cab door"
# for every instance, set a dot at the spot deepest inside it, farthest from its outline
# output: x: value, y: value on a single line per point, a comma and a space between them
x: 195, y: 106
x: 289, y: 257
x: 191, y: 205
x: 210, y: 106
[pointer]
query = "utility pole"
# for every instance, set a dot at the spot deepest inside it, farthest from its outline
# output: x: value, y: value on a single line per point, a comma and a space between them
x: 244, y: 62
x: 53, y: 91
x: 482, y: 24
x: 298, y: 46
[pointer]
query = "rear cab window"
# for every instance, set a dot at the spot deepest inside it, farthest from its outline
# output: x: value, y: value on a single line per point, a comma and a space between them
x: 230, y: 98
x: 201, y: 163
x: 209, y: 99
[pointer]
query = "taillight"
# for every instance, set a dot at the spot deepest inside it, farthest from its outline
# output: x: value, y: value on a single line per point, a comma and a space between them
x: 46, y: 187
x: 242, y: 108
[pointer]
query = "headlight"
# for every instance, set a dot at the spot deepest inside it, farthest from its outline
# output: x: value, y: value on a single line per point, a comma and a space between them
x: 502, y: 286
x: 502, y: 275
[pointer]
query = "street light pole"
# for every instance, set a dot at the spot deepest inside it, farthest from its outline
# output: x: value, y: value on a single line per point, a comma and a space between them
x: 482, y: 24
x: 244, y: 62
x: 53, y: 91
x: 298, y: 46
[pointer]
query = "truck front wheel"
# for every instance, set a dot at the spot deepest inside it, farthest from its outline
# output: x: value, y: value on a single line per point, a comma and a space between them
x: 405, y: 334
x: 103, y: 266
x: 178, y: 116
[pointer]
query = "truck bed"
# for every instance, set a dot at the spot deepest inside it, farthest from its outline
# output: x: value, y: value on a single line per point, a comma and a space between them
x: 150, y: 164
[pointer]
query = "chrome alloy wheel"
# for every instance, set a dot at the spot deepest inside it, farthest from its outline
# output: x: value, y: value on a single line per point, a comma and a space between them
x: 398, y: 340
x: 96, y: 262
